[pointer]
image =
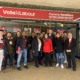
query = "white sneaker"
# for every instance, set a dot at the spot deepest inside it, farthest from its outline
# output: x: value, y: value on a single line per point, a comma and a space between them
x: 57, y: 64
x: 65, y: 61
x: 62, y: 66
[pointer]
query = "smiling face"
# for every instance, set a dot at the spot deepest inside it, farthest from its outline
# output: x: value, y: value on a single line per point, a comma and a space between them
x: 46, y: 36
x: 70, y: 35
x: 50, y: 31
x: 23, y: 34
x: 9, y: 35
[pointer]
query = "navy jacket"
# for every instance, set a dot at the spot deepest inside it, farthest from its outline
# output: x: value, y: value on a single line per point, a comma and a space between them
x: 19, y: 42
x: 59, y: 45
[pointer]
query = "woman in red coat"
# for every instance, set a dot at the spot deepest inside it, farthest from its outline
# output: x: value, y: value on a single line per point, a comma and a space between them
x: 47, y: 49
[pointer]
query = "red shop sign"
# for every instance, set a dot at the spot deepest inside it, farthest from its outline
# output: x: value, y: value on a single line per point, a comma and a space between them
x: 23, y: 13
x: 2, y: 27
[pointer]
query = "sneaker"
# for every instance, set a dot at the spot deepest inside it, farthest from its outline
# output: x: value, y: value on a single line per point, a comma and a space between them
x: 26, y: 67
x: 65, y: 61
x: 57, y: 64
x: 18, y: 68
x: 62, y: 66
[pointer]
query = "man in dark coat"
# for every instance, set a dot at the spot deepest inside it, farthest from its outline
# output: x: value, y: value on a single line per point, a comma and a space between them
x: 70, y: 49
x: 30, y: 39
x: 35, y: 50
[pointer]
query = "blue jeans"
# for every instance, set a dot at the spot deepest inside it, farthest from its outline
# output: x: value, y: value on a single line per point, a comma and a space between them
x: 60, y: 58
x: 65, y: 57
x: 24, y: 52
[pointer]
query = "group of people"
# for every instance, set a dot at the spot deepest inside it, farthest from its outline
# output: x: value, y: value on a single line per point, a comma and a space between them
x: 43, y: 48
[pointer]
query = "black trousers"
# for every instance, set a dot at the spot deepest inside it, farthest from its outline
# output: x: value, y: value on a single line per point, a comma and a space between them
x: 39, y: 56
x: 36, y: 60
x: 10, y: 57
x: 48, y: 59
x: 71, y: 58
x: 28, y: 54
x: 15, y: 56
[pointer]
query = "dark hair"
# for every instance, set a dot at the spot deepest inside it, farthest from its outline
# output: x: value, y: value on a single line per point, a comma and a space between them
x: 9, y: 32
x: 64, y: 32
x: 33, y: 32
x: 17, y: 32
x: 38, y: 33
x: 1, y: 30
x: 5, y: 30
x: 23, y: 31
x: 57, y: 33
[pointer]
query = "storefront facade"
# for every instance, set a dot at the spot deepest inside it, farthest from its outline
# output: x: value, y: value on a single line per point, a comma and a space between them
x: 51, y: 18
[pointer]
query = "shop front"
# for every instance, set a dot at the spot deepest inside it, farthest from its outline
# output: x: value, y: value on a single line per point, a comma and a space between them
x: 18, y: 19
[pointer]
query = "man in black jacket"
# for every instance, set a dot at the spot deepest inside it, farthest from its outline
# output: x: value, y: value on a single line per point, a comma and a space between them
x: 70, y: 48
x: 30, y: 40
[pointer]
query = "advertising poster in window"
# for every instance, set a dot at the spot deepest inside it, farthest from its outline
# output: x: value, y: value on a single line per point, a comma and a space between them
x: 37, y: 30
x: 17, y: 28
x: 61, y: 29
x: 3, y: 28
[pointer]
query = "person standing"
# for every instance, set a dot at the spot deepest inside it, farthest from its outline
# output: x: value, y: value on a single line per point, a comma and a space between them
x: 4, y: 37
x: 70, y: 49
x: 9, y: 50
x: 52, y: 37
x: 18, y: 34
x: 47, y: 49
x: 42, y: 53
x: 21, y: 48
x: 2, y: 45
x: 4, y: 33
x: 29, y: 46
x: 59, y: 46
x: 30, y: 40
x: 64, y: 38
x: 36, y: 48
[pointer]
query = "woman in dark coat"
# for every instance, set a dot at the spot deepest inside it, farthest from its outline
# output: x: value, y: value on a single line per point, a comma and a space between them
x: 36, y: 48
x: 59, y: 46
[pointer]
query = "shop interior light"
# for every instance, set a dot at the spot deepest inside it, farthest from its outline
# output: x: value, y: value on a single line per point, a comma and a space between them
x: 22, y: 21
x: 45, y: 23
